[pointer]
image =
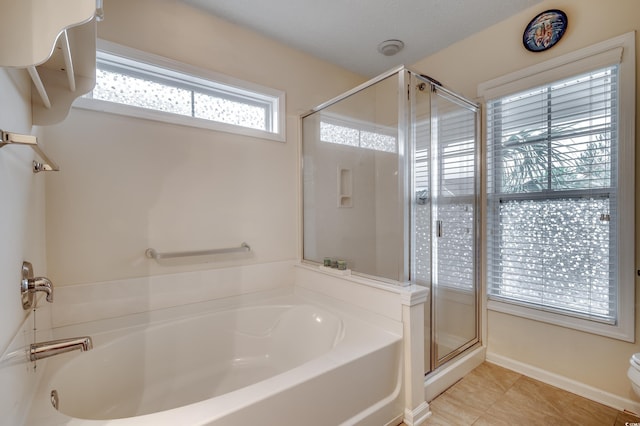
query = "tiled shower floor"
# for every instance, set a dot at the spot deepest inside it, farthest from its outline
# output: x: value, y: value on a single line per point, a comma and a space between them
x: 492, y: 395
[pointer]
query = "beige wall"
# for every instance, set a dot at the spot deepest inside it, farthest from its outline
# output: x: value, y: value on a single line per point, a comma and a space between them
x: 22, y: 235
x: 22, y: 201
x: 596, y: 361
x: 127, y: 184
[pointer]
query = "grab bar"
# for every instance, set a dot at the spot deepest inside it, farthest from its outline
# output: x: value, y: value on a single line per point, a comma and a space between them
x: 15, y: 138
x: 153, y: 254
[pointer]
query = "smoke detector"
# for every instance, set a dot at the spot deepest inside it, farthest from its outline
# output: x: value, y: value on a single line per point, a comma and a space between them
x: 390, y: 47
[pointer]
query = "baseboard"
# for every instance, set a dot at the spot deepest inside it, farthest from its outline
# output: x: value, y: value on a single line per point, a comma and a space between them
x: 573, y: 386
x: 418, y: 415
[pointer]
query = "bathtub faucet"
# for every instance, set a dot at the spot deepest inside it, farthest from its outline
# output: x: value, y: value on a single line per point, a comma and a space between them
x: 30, y: 285
x: 41, y: 284
x: 54, y: 347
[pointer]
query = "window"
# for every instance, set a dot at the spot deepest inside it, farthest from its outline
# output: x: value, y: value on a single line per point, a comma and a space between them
x: 560, y: 198
x: 350, y: 132
x: 135, y: 83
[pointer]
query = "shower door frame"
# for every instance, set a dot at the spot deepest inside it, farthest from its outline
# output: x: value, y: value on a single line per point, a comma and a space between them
x: 477, y: 223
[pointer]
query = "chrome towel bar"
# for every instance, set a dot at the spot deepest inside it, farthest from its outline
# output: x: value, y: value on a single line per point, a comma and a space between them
x: 153, y: 254
x: 46, y: 165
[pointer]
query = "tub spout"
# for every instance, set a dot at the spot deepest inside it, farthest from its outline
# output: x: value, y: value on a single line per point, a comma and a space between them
x: 54, y: 347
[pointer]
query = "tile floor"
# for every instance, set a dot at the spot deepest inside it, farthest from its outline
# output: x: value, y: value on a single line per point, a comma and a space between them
x: 492, y: 395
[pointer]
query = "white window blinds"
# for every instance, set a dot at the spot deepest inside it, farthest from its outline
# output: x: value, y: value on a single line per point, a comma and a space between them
x: 552, y: 157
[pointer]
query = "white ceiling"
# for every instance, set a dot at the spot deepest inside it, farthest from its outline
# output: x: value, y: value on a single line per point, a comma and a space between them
x: 347, y: 32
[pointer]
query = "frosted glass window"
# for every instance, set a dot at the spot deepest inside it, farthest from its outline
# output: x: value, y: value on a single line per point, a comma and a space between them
x: 340, y: 135
x: 355, y: 135
x: 139, y: 92
x: 228, y: 111
x: 160, y: 89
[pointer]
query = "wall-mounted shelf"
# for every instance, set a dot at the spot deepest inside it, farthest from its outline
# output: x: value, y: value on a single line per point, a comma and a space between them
x: 55, y: 41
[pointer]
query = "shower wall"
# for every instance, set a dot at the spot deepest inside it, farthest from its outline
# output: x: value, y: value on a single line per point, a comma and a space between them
x: 352, y: 210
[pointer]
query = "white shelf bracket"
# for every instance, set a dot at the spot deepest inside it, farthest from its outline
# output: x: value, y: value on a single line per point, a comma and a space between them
x: 37, y: 81
x: 68, y: 63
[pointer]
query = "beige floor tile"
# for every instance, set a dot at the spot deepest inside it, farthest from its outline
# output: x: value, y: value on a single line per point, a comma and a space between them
x: 492, y: 376
x: 519, y: 419
x: 626, y: 418
x: 533, y: 397
x: 447, y: 411
x: 494, y: 396
x: 583, y: 411
x: 487, y: 420
x: 483, y: 386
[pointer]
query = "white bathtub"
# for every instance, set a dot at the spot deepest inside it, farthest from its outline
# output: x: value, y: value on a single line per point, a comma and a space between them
x: 283, y: 360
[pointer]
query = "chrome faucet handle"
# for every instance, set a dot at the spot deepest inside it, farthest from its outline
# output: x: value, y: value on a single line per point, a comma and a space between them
x: 29, y: 285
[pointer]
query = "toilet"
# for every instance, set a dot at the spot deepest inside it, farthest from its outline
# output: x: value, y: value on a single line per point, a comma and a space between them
x: 634, y: 372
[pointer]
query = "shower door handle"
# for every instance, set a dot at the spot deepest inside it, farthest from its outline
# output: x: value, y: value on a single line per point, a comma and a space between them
x: 439, y: 228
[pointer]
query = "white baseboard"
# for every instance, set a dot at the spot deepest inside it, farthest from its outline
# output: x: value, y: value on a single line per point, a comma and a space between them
x: 418, y: 415
x: 578, y: 388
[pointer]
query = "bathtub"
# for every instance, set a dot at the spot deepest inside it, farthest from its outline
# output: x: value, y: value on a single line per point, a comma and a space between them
x: 283, y: 359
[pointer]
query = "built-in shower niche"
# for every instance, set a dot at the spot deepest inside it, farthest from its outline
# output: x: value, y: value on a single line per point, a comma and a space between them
x: 352, y: 208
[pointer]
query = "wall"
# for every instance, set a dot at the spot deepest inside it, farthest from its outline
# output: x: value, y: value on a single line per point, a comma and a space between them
x: 127, y: 184
x: 588, y: 359
x: 22, y: 231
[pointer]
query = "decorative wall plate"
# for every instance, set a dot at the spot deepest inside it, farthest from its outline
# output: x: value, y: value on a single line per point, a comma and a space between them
x: 545, y: 30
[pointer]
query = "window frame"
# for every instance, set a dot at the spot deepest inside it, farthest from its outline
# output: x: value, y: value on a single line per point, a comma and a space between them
x: 619, y: 50
x: 161, y: 70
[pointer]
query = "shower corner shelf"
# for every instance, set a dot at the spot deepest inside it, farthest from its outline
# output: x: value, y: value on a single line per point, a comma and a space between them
x: 56, y: 44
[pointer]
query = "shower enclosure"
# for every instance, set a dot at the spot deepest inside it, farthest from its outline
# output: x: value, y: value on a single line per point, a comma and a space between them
x: 390, y: 186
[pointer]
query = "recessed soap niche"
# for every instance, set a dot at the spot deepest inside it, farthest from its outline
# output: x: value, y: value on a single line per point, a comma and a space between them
x: 345, y: 187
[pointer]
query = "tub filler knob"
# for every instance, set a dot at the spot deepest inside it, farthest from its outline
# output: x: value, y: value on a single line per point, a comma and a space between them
x: 29, y: 285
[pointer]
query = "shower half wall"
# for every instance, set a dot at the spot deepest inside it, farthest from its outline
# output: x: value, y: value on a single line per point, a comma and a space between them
x: 390, y: 186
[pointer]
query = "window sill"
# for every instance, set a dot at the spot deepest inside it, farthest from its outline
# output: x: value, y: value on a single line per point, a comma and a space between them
x: 614, y: 331
x: 164, y: 117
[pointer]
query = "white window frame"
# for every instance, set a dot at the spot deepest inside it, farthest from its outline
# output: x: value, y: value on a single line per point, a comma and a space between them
x: 619, y: 50
x: 198, y: 77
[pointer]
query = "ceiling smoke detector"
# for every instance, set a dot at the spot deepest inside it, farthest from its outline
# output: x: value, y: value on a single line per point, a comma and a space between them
x: 390, y: 47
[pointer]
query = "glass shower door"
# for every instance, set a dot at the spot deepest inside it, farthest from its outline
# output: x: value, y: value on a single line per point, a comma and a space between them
x: 445, y: 219
x: 454, y: 285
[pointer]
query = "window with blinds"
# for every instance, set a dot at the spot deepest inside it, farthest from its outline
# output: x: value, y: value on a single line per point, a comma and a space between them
x: 552, y: 157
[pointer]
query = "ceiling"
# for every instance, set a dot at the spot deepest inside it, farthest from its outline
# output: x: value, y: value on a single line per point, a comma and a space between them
x: 347, y: 32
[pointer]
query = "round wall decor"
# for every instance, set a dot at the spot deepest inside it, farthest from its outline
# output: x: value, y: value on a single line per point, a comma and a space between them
x: 545, y: 30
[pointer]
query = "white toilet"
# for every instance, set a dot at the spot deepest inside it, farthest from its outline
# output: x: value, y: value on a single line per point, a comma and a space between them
x: 634, y: 372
